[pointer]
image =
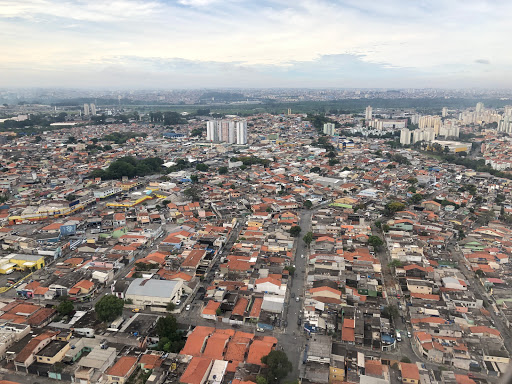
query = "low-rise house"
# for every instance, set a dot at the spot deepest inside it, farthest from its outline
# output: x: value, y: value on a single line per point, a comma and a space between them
x: 121, y: 371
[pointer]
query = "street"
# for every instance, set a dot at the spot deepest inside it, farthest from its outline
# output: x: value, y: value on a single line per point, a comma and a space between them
x: 293, y: 339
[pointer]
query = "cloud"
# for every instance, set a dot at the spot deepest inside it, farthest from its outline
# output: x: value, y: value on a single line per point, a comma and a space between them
x: 482, y: 61
x: 308, y: 39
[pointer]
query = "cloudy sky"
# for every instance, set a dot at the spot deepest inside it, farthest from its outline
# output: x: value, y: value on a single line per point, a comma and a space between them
x: 256, y: 43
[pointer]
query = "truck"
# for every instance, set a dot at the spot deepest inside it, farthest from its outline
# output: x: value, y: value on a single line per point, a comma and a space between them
x: 116, y: 324
x: 87, y: 332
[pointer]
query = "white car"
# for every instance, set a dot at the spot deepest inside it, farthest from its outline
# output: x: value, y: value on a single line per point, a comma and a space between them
x: 187, y: 308
x: 260, y: 330
x: 178, y: 302
x: 297, y: 299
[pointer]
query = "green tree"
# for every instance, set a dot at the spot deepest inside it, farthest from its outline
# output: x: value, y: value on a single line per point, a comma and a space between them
x: 412, y: 180
x: 416, y: 198
x: 192, y: 193
x: 308, y: 204
x: 194, y: 178
x: 109, y: 308
x: 308, y: 238
x: 223, y: 170
x: 65, y: 307
x: 171, y: 306
x: 391, y: 312
x: 290, y: 268
x: 395, y: 264
x: 261, y: 380
x: 375, y: 241
x: 201, y: 167
x: 218, y: 312
x: 405, y: 359
x: 395, y: 206
x: 385, y: 228
x: 295, y: 231
x: 171, y: 338
x: 278, y: 366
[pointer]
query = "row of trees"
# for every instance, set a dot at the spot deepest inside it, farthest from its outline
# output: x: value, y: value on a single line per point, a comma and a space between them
x: 167, y: 118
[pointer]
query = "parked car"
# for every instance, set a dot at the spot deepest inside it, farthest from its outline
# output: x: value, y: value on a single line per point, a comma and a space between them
x: 409, y: 334
x: 187, y: 308
x: 260, y: 330
x: 136, y: 310
x: 297, y: 299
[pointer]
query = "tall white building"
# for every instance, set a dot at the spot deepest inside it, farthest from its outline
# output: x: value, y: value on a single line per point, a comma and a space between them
x: 226, y: 131
x: 479, y: 108
x: 329, y: 129
x: 86, y: 110
x: 93, y: 109
x: 368, y: 113
x: 241, y: 132
x: 212, y: 132
x: 405, y: 137
x: 445, y: 112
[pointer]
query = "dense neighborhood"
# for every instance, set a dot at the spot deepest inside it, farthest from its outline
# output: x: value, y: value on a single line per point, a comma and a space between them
x: 326, y: 249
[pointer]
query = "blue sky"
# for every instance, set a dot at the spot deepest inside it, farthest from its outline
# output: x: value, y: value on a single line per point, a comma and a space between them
x: 268, y: 43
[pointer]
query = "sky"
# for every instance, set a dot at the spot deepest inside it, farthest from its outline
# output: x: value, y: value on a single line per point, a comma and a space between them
x: 139, y: 44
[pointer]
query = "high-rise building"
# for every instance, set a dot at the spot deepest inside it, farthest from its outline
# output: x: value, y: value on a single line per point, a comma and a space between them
x: 368, y: 113
x: 405, y: 137
x: 212, y: 132
x: 86, y: 110
x: 479, y: 108
x: 93, y: 109
x: 445, y: 112
x: 329, y: 129
x: 241, y: 132
x: 226, y: 131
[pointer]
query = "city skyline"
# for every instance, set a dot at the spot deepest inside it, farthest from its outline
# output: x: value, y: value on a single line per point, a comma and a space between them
x: 208, y: 43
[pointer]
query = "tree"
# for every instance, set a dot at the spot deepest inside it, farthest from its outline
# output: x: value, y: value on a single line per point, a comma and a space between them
x: 201, y: 167
x: 405, y: 359
x: 109, y: 308
x: 261, y: 380
x: 194, y: 178
x: 193, y: 193
x: 295, y: 231
x: 416, y: 198
x: 171, y: 338
x: 223, y: 170
x: 278, y: 366
x: 218, y: 312
x: 308, y: 204
x: 412, y: 180
x: 65, y: 307
x: 395, y: 264
x: 290, y: 269
x: 38, y: 139
x: 308, y: 238
x: 391, y: 311
x: 375, y: 241
x: 394, y: 206
x: 171, y: 306
x: 315, y: 170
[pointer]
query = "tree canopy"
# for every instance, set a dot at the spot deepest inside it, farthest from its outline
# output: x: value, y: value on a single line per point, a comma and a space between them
x: 295, y: 231
x: 130, y: 167
x: 171, y: 338
x: 109, y: 308
x: 278, y: 366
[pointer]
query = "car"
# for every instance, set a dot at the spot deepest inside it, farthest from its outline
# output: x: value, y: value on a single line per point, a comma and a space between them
x: 293, y: 295
x: 136, y: 310
x: 400, y: 306
x: 297, y: 299
x: 260, y: 330
x: 178, y: 302
x: 409, y: 334
x: 187, y: 308
x: 301, y: 256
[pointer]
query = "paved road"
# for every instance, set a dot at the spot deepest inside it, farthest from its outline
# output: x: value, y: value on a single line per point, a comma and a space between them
x: 293, y: 339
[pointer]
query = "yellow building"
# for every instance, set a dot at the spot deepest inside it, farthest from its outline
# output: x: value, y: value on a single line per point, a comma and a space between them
x: 53, y: 353
x: 20, y: 262
x: 336, y: 372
